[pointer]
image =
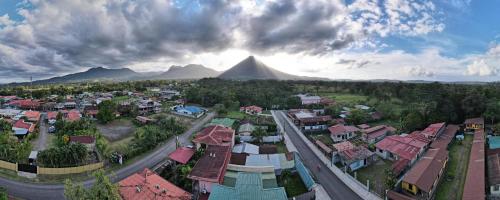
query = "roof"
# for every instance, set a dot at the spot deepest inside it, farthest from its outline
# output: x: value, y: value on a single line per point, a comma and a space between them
x: 363, y: 126
x: 32, y: 115
x: 478, y: 120
x: 268, y: 149
x: 377, y: 131
x: 355, y: 154
x: 494, y: 169
x: 20, y: 131
x: 324, y: 147
x: 33, y: 155
x: 474, y: 183
x: 248, y: 186
x: 399, y: 166
x: 238, y: 158
x: 148, y: 185
x: 252, y: 108
x: 278, y: 161
x: 494, y: 142
x: 215, y: 135
x: 25, y: 125
x: 84, y: 139
x: 393, y: 195
x: 426, y: 171
x: 193, y: 109
x: 433, y: 129
x: 52, y: 115
x: 246, y: 148
x: 182, y: 155
x: 73, y: 115
x: 406, y: 147
x: 246, y: 127
x: 340, y: 129
x: 212, y: 165
x: 444, y: 139
x: 345, y: 145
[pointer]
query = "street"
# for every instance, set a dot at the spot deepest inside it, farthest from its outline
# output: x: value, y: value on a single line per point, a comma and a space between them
x: 335, y: 188
x: 56, y: 191
x: 41, y: 142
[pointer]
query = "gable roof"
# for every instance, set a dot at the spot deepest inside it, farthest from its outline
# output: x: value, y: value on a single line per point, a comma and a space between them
x: 24, y: 125
x: 212, y: 165
x: 377, y: 131
x: 342, y: 146
x: 474, y: 181
x: 426, y: 171
x: 32, y: 115
x: 148, y: 185
x: 406, y: 147
x: 355, y: 154
x: 248, y: 186
x: 182, y: 155
x: 433, y: 129
x: 340, y: 129
x: 73, y: 115
x: 84, y: 139
x: 494, y: 169
x: 215, y: 135
x: 478, y: 120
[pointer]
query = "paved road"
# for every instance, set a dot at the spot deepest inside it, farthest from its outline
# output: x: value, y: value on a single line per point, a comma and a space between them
x: 330, y: 182
x: 55, y: 192
x: 41, y: 142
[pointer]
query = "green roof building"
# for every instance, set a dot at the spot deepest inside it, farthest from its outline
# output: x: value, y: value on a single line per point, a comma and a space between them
x: 248, y: 186
x: 226, y: 122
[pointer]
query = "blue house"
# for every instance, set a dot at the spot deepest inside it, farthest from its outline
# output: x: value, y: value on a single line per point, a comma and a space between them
x: 189, y: 111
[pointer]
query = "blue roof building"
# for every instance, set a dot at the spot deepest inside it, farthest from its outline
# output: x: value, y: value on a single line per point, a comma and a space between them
x: 494, y: 142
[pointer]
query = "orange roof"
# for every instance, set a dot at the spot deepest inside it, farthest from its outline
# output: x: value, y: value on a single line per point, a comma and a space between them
x: 148, y: 185
x: 22, y: 124
x: 215, y: 135
x: 474, y: 187
x: 52, y: 115
x: 73, y: 115
x: 32, y: 115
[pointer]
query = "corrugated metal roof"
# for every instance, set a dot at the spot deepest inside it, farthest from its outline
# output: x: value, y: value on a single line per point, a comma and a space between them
x: 248, y: 187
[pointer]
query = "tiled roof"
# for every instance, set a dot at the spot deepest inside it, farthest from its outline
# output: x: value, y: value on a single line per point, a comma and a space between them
x: 340, y: 129
x: 406, y: 147
x: 345, y: 145
x: 426, y: 171
x: 475, y: 180
x: 73, y: 115
x: 215, y: 135
x: 32, y: 115
x: 212, y: 166
x: 324, y: 147
x: 26, y: 125
x: 84, y: 139
x: 150, y: 186
x: 52, y: 115
x: 433, y: 129
x: 182, y: 155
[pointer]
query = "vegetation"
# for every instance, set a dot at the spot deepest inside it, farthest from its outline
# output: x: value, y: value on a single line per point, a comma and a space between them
x: 293, y: 183
x: 106, y: 111
x: 102, y: 189
x: 71, y: 155
x: 3, y: 194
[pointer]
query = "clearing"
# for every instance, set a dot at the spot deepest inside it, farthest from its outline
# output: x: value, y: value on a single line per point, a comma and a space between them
x: 117, y: 129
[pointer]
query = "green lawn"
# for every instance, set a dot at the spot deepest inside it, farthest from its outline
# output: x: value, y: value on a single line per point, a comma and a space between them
x: 452, y: 184
x: 281, y: 147
x: 376, y: 174
x: 344, y: 98
x: 120, y: 99
x: 293, y: 185
x: 236, y: 115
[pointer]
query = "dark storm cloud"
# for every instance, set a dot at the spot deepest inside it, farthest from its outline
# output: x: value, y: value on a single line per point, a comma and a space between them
x: 297, y: 26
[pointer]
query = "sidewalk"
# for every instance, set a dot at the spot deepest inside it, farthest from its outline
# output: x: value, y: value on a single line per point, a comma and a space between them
x: 355, y: 186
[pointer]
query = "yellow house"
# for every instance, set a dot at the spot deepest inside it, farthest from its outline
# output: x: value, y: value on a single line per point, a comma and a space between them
x: 424, y: 176
x: 473, y: 124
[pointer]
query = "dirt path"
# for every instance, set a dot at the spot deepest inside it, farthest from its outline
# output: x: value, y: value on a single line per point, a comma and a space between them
x: 41, y: 143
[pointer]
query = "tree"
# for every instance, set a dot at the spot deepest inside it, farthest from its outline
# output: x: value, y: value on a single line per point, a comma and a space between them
x: 390, y: 179
x: 5, y: 126
x: 102, y: 189
x: 357, y: 116
x: 106, y: 111
x: 259, y: 133
x: 492, y: 111
x: 3, y: 194
x: 220, y: 109
x: 411, y: 121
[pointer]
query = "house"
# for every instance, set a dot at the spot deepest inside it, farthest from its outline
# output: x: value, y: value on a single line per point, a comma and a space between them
x: 70, y: 105
x: 246, y: 148
x: 214, y: 135
x: 147, y: 185
x: 33, y: 116
x: 494, y: 142
x: 363, y: 126
x: 308, y: 120
x: 245, y: 131
x: 308, y: 100
x: 21, y: 124
x: 86, y: 140
x: 25, y: 104
x: 377, y: 133
x: 434, y: 130
x: 72, y: 115
x: 340, y: 132
x: 339, y: 147
x: 474, y: 187
x: 189, y: 111
x: 144, y: 120
x: 402, y: 147
x: 474, y: 124
x: 10, y: 113
x: 167, y: 94
x: 494, y: 173
x: 210, y: 168
x: 248, y: 186
x: 182, y: 155
x: 148, y: 106
x: 251, y: 110
x: 357, y: 158
x: 422, y: 179
x: 327, y: 101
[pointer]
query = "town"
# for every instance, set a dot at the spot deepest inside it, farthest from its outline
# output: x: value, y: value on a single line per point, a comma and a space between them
x: 176, y: 140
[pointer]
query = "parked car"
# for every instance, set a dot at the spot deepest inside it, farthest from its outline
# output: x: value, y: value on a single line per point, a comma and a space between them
x: 52, y: 129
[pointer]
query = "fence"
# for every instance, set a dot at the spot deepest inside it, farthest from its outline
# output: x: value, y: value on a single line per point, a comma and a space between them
x: 8, y: 165
x: 70, y: 170
x: 303, y: 172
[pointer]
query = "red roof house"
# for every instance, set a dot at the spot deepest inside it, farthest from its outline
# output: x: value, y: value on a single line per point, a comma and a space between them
x: 210, y: 168
x: 73, y: 115
x: 52, y: 115
x: 33, y: 116
x: 474, y: 187
x: 377, y: 133
x: 26, y: 125
x: 396, y: 147
x: 340, y: 132
x: 26, y: 104
x: 86, y: 140
x: 182, y: 155
x: 252, y: 110
x: 215, y: 135
x: 148, y: 185
x: 434, y: 130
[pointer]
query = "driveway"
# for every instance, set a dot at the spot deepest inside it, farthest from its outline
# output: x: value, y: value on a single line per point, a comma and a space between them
x: 56, y: 191
x: 335, y: 188
x: 41, y: 142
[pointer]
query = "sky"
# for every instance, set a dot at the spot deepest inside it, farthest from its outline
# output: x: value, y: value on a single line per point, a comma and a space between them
x: 441, y: 40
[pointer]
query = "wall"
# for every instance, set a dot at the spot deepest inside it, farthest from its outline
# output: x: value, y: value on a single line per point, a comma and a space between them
x: 70, y: 170
x: 8, y: 165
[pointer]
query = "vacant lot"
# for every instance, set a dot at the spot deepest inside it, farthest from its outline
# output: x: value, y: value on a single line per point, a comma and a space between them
x: 325, y: 138
x: 452, y: 184
x: 117, y: 130
x: 346, y: 99
x: 293, y: 185
x: 376, y: 174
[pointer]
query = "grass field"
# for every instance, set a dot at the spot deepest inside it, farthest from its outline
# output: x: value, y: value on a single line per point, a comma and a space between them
x: 375, y: 173
x: 452, y: 184
x: 120, y: 99
x: 237, y: 115
x: 344, y: 98
x: 293, y: 185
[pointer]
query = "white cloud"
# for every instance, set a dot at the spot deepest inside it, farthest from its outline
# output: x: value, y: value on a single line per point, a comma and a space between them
x: 481, y: 68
